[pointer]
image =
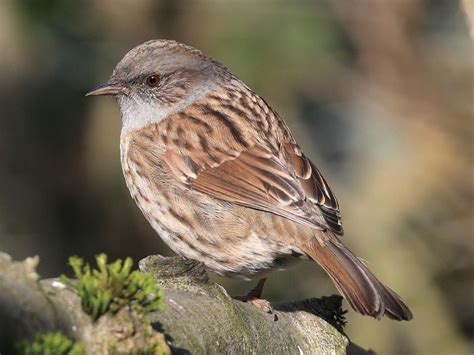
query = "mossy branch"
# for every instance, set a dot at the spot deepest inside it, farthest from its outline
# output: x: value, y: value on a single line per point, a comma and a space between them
x: 199, y: 317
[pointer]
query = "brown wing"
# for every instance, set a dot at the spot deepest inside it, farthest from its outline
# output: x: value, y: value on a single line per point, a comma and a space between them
x: 259, y: 180
x: 249, y: 165
x: 317, y: 190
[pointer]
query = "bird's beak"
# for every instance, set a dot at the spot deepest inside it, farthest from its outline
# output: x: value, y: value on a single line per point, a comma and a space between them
x: 109, y: 88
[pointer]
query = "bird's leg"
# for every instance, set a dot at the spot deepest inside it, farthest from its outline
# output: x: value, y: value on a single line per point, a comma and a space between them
x: 254, y: 297
x: 256, y: 292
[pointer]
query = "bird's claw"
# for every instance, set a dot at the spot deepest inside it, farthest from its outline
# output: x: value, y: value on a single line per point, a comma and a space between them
x: 260, y: 303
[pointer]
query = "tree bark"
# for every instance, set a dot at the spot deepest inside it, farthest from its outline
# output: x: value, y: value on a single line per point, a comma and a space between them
x: 200, y: 318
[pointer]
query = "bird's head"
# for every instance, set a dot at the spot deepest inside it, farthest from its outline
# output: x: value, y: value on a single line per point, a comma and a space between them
x: 158, y: 78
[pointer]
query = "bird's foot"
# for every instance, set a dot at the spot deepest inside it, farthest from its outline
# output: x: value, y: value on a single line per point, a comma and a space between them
x: 264, y: 305
x: 254, y: 298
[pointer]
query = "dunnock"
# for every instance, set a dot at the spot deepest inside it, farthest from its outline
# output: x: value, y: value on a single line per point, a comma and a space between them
x: 221, y: 179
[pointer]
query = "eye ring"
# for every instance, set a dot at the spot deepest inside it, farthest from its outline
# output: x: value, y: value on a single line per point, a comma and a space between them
x: 152, y: 80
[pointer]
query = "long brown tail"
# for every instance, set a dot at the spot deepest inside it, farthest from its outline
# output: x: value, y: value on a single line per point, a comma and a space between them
x: 357, y: 284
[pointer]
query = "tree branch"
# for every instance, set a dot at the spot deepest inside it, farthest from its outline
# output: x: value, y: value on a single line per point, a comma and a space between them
x: 199, y: 318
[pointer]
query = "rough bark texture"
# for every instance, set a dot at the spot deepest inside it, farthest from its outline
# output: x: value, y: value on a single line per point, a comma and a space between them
x: 200, y: 318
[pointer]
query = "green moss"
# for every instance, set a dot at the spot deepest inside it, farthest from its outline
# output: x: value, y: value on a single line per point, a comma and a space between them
x: 112, y: 286
x: 50, y: 344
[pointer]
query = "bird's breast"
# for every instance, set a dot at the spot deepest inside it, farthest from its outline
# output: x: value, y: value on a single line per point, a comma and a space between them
x: 229, y: 239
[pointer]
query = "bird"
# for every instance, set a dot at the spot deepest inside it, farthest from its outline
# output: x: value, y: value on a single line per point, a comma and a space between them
x: 221, y: 179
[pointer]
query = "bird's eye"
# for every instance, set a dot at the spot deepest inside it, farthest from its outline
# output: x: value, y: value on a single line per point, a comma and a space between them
x: 152, y: 80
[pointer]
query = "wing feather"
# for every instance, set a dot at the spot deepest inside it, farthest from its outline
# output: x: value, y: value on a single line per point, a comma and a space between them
x: 259, y: 183
x: 269, y: 172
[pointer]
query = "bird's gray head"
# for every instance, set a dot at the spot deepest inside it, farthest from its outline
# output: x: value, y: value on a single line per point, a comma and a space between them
x: 158, y: 78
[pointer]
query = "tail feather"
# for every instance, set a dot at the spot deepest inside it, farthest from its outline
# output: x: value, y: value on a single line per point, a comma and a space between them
x: 357, y: 284
x: 395, y: 308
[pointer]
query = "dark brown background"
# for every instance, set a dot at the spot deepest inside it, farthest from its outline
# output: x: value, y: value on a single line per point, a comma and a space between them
x: 378, y: 93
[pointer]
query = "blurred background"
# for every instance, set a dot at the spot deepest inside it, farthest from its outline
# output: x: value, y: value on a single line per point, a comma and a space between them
x: 378, y: 93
